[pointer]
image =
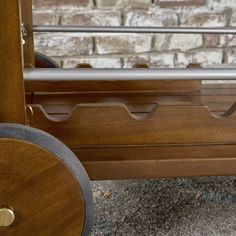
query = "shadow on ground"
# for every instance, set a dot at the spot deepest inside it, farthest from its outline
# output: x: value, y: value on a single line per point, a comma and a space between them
x: 175, y: 207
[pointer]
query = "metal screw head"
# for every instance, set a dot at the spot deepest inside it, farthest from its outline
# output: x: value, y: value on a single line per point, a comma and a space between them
x: 7, y: 217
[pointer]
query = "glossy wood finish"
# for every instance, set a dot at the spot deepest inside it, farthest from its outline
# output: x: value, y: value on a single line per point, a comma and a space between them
x: 113, y: 125
x: 144, y: 134
x: 42, y: 186
x: 219, y: 99
x: 42, y: 181
x: 143, y: 129
x: 12, y: 103
x: 162, y: 87
x: 158, y: 168
x: 129, y: 162
x: 27, y: 19
x: 39, y: 189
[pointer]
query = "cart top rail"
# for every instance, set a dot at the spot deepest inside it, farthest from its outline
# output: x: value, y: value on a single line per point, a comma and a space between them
x: 59, y: 74
x: 117, y: 29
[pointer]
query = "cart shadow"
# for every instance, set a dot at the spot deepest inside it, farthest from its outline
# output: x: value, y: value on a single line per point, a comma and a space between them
x: 164, y: 207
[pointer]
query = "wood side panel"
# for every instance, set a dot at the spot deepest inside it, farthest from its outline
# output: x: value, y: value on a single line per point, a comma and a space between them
x: 12, y: 99
x: 168, y: 152
x: 219, y: 101
x: 103, y: 170
x: 126, y: 161
x: 129, y: 98
x: 65, y: 109
x: 99, y: 124
x: 163, y: 87
x: 70, y: 86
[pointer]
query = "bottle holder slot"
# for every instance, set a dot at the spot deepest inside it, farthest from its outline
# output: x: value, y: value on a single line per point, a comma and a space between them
x: 114, y: 124
x: 218, y: 98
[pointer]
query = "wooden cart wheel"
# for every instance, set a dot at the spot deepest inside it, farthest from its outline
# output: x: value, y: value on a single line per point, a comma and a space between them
x: 44, y: 189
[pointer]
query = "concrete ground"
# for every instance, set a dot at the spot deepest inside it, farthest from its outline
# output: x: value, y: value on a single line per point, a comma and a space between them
x: 203, y: 206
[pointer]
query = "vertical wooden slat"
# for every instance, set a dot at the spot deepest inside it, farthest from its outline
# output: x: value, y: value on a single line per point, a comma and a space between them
x: 12, y: 101
x: 27, y: 19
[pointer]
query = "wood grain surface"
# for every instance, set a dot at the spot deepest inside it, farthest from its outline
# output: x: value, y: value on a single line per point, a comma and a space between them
x: 115, y: 135
x: 27, y: 20
x: 42, y: 186
x: 41, y: 191
x: 130, y: 162
x: 137, y: 129
x: 12, y: 100
x: 117, y: 86
x: 97, y: 124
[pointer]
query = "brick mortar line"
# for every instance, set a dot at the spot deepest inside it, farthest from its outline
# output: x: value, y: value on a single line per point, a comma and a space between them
x: 154, y: 53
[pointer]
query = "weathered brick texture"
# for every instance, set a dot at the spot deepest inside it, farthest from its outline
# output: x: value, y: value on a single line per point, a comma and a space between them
x: 124, y: 50
x: 204, y: 57
x: 64, y: 44
x: 62, y: 4
x: 182, y: 42
x: 153, y: 17
x: 123, y: 44
x: 160, y: 60
x: 97, y: 62
x: 179, y: 3
x: 123, y: 3
x: 93, y: 18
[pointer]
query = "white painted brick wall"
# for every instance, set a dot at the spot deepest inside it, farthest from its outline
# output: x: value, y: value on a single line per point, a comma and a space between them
x: 152, y: 17
x: 181, y: 42
x: 123, y: 44
x: 156, y: 50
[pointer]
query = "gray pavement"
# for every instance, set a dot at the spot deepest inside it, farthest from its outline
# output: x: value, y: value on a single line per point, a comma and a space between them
x: 204, y: 206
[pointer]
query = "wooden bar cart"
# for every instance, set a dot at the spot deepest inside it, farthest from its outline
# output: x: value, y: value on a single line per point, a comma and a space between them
x: 107, y: 130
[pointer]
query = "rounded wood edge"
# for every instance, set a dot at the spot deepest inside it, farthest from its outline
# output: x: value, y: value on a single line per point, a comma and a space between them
x: 64, y: 154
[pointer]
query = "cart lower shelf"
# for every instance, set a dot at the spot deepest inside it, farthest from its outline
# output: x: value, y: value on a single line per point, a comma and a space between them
x: 143, y: 134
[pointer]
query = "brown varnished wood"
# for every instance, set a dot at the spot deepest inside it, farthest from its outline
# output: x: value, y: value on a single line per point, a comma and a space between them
x: 27, y: 19
x: 113, y: 125
x: 110, y: 144
x: 12, y: 101
x: 118, y: 86
x: 105, y: 159
x: 157, y: 161
x: 218, y: 98
x: 141, y: 129
x: 28, y: 98
x: 83, y: 66
x: 51, y: 101
x: 64, y: 103
x: 160, y: 168
x: 155, y: 152
x: 44, y: 195
x: 61, y: 111
x: 125, y: 87
x: 131, y: 97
